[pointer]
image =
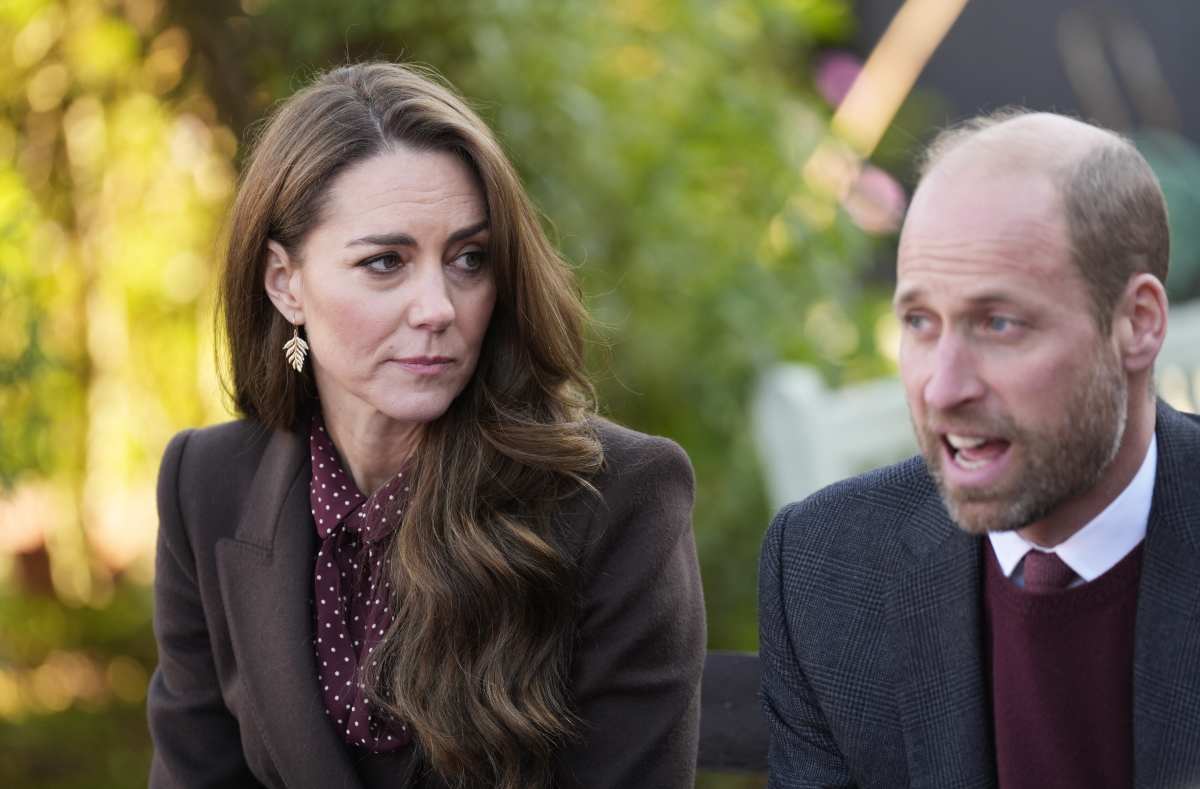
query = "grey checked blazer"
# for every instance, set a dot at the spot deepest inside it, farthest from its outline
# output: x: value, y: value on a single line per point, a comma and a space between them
x: 871, y: 639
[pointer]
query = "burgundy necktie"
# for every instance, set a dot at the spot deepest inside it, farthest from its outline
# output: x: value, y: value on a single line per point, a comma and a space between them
x: 1045, y: 572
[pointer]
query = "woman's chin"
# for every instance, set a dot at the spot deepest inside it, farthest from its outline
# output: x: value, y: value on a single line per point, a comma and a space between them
x: 420, y: 409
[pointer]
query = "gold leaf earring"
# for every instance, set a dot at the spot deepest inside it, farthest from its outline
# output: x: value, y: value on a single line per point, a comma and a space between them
x: 296, y: 349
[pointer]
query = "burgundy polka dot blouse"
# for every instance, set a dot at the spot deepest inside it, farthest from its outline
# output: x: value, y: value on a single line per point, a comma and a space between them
x: 351, y: 592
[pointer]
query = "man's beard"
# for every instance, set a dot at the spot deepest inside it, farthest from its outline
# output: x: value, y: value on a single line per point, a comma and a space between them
x: 1059, y: 463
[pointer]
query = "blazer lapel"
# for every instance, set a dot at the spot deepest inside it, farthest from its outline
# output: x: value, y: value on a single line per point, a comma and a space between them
x: 1166, y: 664
x: 266, y: 581
x: 935, y: 617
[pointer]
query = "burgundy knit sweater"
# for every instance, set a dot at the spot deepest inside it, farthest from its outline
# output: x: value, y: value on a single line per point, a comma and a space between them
x: 1062, y: 679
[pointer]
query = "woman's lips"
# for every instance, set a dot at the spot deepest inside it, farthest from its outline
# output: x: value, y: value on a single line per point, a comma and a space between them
x: 426, y: 365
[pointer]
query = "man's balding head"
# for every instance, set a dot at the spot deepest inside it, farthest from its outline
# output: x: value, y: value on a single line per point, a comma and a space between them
x: 1111, y: 202
x: 1029, y: 291
x: 1025, y: 140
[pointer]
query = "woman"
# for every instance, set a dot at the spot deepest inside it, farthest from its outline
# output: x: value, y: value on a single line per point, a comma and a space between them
x: 420, y: 559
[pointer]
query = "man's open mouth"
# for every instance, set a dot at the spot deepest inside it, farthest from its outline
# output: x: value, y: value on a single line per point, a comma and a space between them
x: 974, y: 452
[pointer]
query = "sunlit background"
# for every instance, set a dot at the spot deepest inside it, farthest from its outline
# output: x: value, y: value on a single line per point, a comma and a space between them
x: 728, y: 176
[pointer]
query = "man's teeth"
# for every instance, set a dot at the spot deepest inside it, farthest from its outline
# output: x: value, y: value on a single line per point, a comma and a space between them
x: 964, y: 442
x: 970, y: 465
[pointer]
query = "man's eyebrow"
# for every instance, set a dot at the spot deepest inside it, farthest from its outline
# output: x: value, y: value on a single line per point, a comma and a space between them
x: 405, y: 240
x: 992, y: 297
x: 908, y: 295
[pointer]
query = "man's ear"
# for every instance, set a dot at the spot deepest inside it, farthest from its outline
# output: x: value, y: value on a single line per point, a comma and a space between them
x: 1140, y: 322
x: 282, y: 278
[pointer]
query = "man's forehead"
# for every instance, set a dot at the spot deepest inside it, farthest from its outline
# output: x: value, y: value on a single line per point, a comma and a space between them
x: 1003, y: 171
x: 991, y: 211
x: 981, y: 180
x: 1006, y: 218
x: 985, y: 246
x: 968, y: 292
x: 986, y: 269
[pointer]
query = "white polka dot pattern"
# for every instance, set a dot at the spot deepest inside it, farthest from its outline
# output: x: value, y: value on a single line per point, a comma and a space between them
x: 352, y: 595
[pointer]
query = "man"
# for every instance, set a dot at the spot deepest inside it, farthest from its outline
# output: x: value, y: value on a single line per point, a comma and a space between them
x: 1020, y: 604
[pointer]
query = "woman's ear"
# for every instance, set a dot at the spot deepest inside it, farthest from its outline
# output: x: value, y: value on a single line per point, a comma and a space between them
x: 1141, y: 322
x: 282, y: 279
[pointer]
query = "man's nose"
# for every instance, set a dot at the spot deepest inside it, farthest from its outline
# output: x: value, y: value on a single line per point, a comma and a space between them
x: 953, y: 377
x: 431, y: 307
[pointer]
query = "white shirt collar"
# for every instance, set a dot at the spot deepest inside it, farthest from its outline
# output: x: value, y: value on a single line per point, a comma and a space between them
x: 1107, y: 539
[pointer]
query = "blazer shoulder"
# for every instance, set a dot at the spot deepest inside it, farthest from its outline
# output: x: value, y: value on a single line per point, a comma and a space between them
x: 206, y: 473
x: 1178, y: 435
x: 227, y: 441
x: 1179, y: 427
x: 625, y: 448
x: 644, y: 481
x: 865, y: 509
x: 223, y: 448
x: 636, y: 461
x: 1177, y: 487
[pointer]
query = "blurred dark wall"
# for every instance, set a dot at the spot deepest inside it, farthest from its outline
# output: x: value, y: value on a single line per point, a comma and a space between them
x: 1018, y: 52
x: 1128, y: 65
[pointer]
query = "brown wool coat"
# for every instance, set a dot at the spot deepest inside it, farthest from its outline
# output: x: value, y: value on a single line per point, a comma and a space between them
x: 234, y: 701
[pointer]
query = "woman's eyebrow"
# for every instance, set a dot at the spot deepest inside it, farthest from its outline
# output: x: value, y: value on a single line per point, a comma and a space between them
x: 405, y: 240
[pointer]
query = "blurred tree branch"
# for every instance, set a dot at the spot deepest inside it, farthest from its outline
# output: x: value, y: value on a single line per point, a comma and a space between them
x: 221, y: 57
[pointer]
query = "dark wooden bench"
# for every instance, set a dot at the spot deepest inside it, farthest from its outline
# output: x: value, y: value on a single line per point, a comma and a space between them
x: 733, y: 733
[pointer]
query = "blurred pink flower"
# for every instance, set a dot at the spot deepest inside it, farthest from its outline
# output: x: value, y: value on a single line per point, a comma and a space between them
x: 835, y: 73
x: 876, y: 202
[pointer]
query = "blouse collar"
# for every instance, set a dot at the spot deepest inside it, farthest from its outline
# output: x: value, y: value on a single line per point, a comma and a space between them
x: 336, y: 499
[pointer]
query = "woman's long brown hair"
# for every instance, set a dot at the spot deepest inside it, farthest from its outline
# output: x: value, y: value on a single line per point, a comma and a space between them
x: 477, y: 657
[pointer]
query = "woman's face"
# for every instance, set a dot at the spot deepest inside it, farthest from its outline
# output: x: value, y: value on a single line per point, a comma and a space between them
x: 393, y: 286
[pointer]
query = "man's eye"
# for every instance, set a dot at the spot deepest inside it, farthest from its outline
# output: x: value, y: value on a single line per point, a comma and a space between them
x: 916, y: 321
x: 999, y: 323
x: 382, y: 264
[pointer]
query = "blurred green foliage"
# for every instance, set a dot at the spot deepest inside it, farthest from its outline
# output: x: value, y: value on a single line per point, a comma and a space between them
x: 663, y: 139
x: 81, y: 675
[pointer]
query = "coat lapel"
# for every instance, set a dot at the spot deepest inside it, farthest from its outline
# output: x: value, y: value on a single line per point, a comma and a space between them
x: 266, y: 581
x: 935, y: 618
x: 1166, y: 666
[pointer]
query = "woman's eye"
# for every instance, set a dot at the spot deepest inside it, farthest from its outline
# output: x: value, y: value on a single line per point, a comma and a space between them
x: 472, y: 260
x: 382, y: 264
